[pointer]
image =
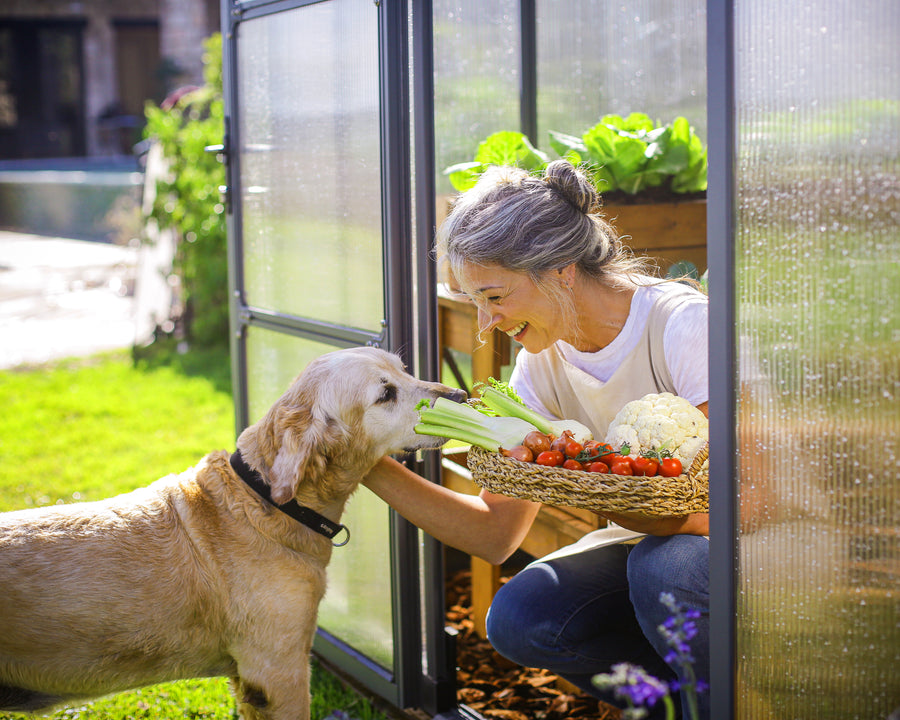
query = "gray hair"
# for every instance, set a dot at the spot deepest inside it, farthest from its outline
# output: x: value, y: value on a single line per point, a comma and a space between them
x: 534, y: 225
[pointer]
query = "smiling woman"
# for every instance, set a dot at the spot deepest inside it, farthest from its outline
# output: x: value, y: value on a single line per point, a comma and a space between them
x: 538, y: 260
x: 597, y: 331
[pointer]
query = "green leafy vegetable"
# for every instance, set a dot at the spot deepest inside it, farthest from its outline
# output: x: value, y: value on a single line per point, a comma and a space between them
x: 501, y: 148
x: 630, y: 154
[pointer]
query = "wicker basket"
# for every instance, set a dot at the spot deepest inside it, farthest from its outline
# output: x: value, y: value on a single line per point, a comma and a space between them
x: 656, y: 496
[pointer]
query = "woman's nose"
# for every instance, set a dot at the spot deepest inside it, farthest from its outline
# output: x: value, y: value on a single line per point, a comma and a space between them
x: 487, y: 320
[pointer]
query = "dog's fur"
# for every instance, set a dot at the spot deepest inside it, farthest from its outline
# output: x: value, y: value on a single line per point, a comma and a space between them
x: 196, y: 575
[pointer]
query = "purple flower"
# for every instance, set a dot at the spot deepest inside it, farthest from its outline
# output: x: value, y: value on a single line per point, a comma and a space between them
x: 632, y: 684
x: 639, y: 690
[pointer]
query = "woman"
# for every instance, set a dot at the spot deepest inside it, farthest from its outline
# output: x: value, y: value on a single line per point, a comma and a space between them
x: 541, y: 265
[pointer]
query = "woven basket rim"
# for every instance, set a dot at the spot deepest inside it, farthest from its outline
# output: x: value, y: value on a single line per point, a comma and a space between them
x: 657, y: 495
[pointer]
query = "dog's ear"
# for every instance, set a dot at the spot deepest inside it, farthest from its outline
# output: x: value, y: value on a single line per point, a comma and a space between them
x: 302, y: 453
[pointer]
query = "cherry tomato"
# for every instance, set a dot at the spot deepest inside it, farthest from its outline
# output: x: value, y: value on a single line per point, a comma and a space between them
x: 598, y: 467
x: 645, y: 466
x: 572, y: 464
x: 615, y: 458
x: 623, y: 467
x: 550, y: 458
x: 670, y: 467
x: 573, y: 448
x: 605, y: 452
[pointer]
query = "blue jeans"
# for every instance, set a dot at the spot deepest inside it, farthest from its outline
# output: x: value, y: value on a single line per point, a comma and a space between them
x: 579, y: 615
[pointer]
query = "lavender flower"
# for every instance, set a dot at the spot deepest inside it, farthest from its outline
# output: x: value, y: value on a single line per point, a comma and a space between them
x: 639, y: 690
x: 678, y: 630
x: 631, y: 682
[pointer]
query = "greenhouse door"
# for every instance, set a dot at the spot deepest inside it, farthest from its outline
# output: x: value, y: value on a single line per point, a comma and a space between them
x: 320, y: 252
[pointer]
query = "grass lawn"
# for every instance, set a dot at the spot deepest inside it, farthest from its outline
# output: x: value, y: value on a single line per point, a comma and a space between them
x: 88, y: 429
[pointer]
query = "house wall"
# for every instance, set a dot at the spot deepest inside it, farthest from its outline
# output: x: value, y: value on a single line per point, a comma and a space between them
x: 182, y: 26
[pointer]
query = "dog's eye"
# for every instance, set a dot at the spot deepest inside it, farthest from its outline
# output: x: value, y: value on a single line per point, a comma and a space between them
x: 388, y: 394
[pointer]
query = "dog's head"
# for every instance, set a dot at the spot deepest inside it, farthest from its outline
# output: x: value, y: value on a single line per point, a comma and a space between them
x: 345, y: 410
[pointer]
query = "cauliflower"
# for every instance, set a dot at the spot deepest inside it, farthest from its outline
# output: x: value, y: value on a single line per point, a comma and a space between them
x: 660, y: 421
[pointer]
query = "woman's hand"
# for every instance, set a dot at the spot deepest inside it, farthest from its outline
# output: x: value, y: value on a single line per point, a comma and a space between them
x: 694, y: 524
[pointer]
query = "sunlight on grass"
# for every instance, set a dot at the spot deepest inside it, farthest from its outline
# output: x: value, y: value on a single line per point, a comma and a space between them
x: 88, y: 431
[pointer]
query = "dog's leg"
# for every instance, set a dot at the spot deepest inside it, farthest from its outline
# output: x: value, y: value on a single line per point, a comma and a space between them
x: 287, y: 699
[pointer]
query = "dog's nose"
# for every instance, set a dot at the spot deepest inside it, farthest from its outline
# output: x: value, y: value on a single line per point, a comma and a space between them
x: 456, y: 395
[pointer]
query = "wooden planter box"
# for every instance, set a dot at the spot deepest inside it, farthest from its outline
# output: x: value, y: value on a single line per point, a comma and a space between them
x: 667, y: 231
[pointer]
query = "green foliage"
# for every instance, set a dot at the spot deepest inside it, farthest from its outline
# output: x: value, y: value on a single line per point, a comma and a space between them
x: 630, y: 154
x: 502, y: 148
x: 188, y: 199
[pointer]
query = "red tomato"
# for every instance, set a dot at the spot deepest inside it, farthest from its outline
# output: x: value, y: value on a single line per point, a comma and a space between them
x: 606, y: 453
x: 573, y: 448
x: 670, y: 467
x: 598, y: 467
x: 550, y: 458
x: 616, y: 458
x: 572, y: 464
x: 623, y: 467
x: 645, y: 466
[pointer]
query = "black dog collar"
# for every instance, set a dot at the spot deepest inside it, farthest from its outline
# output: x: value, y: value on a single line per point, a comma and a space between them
x: 300, y: 513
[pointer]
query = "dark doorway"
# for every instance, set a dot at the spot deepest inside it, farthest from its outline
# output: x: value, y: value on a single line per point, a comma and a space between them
x: 41, y: 89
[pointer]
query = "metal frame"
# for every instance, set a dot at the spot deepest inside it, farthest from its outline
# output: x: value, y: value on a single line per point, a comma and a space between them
x: 400, y: 685
x: 722, y: 361
x: 528, y: 80
x: 437, y: 684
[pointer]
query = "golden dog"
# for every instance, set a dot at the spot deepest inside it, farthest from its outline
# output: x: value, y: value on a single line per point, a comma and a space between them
x: 198, y: 575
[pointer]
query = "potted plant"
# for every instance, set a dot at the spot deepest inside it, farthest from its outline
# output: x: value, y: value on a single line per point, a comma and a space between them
x: 652, y: 178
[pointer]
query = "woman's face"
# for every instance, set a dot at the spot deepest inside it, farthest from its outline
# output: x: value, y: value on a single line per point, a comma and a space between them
x: 511, y: 302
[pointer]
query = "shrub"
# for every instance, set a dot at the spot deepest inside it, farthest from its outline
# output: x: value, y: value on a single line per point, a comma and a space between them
x: 188, y: 198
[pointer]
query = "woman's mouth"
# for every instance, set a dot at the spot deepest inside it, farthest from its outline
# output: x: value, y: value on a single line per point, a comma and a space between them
x: 517, y: 330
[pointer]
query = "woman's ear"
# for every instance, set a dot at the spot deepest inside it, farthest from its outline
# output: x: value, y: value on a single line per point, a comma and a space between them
x: 567, y: 275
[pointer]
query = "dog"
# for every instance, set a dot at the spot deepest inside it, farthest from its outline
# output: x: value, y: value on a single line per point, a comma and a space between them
x: 218, y: 571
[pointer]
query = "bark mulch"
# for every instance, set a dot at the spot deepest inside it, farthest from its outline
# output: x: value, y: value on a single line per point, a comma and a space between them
x: 497, y: 688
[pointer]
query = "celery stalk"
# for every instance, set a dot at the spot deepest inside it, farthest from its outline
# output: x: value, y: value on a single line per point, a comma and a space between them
x: 459, y: 421
x: 503, y: 404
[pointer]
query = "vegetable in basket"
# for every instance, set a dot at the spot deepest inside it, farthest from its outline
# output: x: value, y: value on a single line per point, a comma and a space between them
x: 497, y: 419
x: 660, y: 421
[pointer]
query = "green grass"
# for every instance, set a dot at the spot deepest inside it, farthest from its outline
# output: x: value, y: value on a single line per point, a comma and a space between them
x: 89, y: 429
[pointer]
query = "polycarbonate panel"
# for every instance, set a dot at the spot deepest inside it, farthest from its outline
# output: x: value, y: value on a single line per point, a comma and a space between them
x: 357, y: 606
x: 308, y: 118
x: 476, y: 77
x: 818, y: 321
x: 597, y: 57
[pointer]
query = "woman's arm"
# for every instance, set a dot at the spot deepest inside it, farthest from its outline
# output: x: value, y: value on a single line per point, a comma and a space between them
x: 486, y: 525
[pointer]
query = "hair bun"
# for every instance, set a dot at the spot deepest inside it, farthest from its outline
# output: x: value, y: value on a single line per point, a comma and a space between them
x: 573, y: 185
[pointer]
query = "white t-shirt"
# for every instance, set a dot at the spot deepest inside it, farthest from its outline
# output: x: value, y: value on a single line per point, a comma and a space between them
x: 685, y: 343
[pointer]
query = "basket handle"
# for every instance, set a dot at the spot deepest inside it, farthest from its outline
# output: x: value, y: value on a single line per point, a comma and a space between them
x: 699, y: 459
